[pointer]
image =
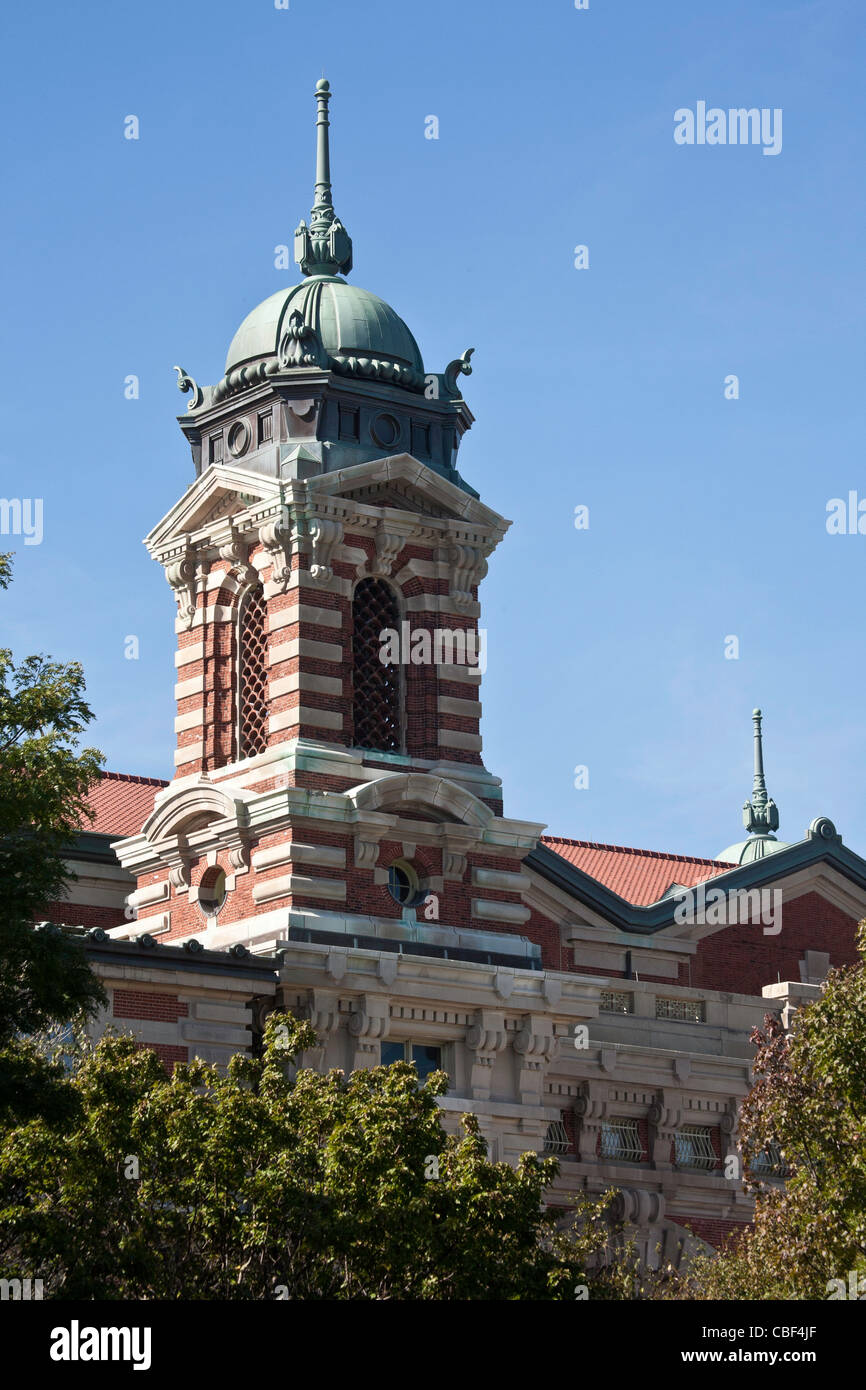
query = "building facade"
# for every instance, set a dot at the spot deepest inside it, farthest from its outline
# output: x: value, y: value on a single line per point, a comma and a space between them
x: 332, y: 841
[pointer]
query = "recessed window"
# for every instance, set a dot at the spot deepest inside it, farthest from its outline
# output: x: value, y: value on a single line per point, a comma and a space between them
x: 556, y: 1139
x: 349, y: 419
x: 620, y: 1139
x: 212, y: 892
x: 694, y: 1147
x: 427, y: 1059
x: 377, y: 689
x: 420, y: 440
x: 404, y: 884
x: 215, y: 444
x: 265, y: 427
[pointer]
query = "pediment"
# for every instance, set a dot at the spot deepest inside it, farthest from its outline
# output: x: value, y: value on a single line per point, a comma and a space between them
x: 219, y: 493
x: 404, y: 483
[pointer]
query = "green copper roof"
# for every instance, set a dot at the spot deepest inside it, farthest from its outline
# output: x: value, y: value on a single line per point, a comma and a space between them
x: 362, y: 333
x: 760, y: 813
x: 324, y: 321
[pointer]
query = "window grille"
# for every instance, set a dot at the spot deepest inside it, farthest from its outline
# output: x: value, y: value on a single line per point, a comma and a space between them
x: 769, y: 1163
x: 615, y: 1001
x: 682, y: 1010
x: 377, y: 687
x: 621, y: 1139
x: 556, y: 1139
x: 694, y: 1147
x: 252, y: 675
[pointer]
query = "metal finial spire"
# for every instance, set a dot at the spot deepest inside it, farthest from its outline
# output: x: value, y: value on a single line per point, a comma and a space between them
x: 325, y: 247
x: 760, y: 815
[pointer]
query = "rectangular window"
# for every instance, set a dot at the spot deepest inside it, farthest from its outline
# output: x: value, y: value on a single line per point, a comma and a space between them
x: 769, y: 1163
x: 216, y: 448
x: 681, y: 1010
x: 266, y: 427
x: 426, y: 1058
x: 616, y: 1001
x: 348, y: 423
x: 420, y: 440
x: 620, y: 1139
x: 694, y: 1147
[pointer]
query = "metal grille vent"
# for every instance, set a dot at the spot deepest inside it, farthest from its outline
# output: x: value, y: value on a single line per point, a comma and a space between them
x: 253, y: 675
x: 376, y: 704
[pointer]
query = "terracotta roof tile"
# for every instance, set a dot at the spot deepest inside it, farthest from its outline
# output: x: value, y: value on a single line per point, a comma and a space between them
x: 641, y: 876
x: 121, y: 803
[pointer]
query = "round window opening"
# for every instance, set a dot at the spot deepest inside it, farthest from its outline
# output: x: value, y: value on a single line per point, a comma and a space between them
x: 212, y: 892
x: 386, y: 430
x: 404, y: 884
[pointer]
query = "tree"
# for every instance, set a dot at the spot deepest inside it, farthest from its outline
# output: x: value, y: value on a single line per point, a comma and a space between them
x: 44, y: 779
x: 265, y: 1181
x: 807, y: 1109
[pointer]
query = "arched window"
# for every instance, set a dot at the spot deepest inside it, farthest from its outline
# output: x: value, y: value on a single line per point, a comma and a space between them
x: 252, y: 675
x: 377, y: 690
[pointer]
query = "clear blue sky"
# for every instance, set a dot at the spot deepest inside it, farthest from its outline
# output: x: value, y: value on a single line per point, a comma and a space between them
x: 602, y: 386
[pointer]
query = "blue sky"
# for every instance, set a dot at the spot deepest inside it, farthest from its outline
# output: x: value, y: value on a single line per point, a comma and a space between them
x: 602, y: 387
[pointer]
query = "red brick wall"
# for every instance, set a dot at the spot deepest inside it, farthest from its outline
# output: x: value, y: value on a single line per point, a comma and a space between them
x: 743, y: 959
x: 163, y: 1008
x: 83, y: 915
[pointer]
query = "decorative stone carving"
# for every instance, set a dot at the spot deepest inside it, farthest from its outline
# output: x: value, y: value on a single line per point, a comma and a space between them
x: 468, y: 568
x: 369, y: 1022
x: 275, y: 535
x: 637, y: 1207
x: 665, y: 1117
x: 486, y: 1037
x: 366, y: 853
x: 388, y: 546
x: 453, y: 864
x: 590, y: 1108
x: 325, y: 535
x: 178, y: 876
x: 236, y: 551
x: 181, y: 575
x: 535, y: 1045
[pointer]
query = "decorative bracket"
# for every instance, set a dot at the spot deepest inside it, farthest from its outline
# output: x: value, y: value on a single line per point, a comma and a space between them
x: 468, y: 568
x: 181, y: 575
x: 325, y: 535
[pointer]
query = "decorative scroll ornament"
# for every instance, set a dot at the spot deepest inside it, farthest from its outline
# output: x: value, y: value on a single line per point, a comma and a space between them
x: 178, y: 876
x: 325, y: 535
x: 186, y: 383
x: 276, y: 536
x: 181, y: 575
x: 300, y: 345
x: 459, y: 366
x: 236, y: 551
x: 468, y: 568
x: 388, y: 547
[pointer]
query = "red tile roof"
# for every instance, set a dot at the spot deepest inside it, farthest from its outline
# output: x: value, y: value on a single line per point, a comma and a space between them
x: 121, y: 803
x: 641, y: 876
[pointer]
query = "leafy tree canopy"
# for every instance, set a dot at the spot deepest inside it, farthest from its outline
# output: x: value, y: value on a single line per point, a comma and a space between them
x: 265, y: 1182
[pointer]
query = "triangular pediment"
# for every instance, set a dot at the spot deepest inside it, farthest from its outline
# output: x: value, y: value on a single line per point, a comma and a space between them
x: 405, y: 484
x: 219, y: 493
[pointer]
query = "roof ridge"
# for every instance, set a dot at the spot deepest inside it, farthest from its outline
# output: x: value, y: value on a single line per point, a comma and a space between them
x: 133, y: 777
x: 628, y: 849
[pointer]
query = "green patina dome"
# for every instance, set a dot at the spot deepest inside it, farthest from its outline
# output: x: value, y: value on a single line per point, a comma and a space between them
x: 747, y: 851
x: 360, y: 332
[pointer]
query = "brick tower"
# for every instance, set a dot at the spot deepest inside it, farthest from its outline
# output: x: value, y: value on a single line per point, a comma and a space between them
x: 329, y: 782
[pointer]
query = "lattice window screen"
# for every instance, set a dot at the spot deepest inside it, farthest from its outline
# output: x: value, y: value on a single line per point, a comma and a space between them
x: 252, y: 675
x: 377, y: 698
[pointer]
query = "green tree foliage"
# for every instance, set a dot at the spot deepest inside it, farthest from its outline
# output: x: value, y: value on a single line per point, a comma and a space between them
x: 808, y: 1104
x: 266, y: 1182
x: 44, y: 780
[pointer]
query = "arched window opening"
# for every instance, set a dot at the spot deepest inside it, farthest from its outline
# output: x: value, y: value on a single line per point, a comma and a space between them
x: 377, y: 694
x: 252, y: 675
